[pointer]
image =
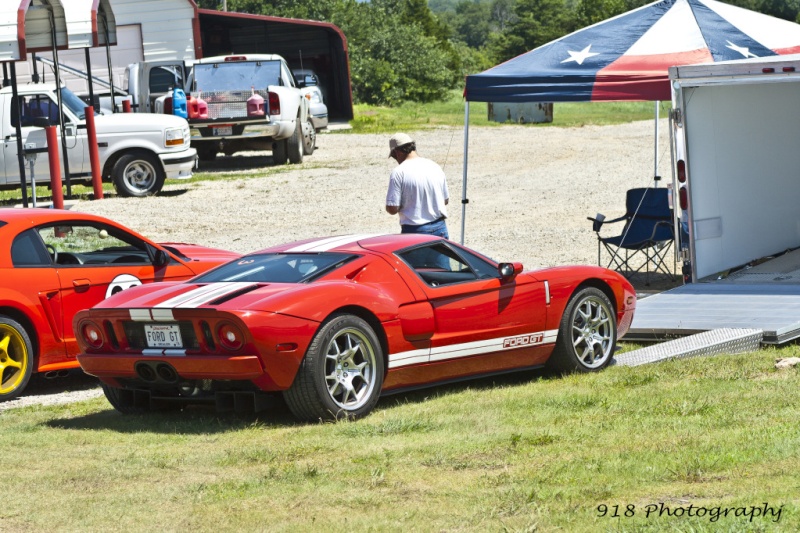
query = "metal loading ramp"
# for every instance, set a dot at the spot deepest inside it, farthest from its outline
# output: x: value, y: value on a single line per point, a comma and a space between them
x: 765, y: 296
x: 724, y: 340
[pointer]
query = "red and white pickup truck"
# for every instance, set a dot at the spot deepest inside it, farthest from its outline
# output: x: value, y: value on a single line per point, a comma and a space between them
x: 231, y: 89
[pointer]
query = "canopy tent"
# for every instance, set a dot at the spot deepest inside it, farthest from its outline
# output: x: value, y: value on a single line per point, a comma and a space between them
x: 627, y: 57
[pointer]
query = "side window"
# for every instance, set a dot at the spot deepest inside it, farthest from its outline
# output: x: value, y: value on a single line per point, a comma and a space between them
x: 438, y: 265
x: 164, y: 77
x: 34, y: 106
x: 81, y: 244
x: 286, y: 76
x: 28, y: 250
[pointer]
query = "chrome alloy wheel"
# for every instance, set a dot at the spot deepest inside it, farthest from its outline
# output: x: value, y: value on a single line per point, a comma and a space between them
x: 350, y: 369
x: 592, y: 332
x: 139, y: 175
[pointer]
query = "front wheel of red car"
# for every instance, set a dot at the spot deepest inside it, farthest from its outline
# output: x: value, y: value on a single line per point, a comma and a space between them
x: 342, y: 373
x: 587, y: 334
x: 16, y: 358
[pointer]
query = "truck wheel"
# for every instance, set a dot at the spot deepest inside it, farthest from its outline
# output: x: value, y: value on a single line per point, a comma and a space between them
x: 309, y: 138
x: 138, y: 174
x: 294, y: 144
x: 206, y: 152
x: 279, y: 152
x: 16, y: 358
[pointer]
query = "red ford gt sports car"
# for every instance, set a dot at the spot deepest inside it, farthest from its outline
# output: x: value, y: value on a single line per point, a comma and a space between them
x: 54, y: 263
x: 334, y: 322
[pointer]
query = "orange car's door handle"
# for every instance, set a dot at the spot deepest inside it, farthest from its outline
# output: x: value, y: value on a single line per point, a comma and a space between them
x: 81, y: 285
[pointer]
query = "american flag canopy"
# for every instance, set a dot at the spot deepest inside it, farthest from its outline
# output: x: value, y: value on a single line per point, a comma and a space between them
x: 627, y: 57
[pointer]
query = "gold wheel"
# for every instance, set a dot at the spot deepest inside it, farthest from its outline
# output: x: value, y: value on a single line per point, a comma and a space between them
x: 15, y: 358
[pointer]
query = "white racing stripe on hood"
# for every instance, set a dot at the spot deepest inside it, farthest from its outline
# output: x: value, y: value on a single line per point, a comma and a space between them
x: 203, y: 295
x: 324, y: 245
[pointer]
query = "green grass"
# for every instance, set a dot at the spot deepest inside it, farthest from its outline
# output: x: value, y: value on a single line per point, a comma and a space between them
x: 521, y: 453
x: 412, y: 116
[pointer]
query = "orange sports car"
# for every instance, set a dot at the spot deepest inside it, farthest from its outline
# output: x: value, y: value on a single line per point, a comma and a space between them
x: 54, y: 263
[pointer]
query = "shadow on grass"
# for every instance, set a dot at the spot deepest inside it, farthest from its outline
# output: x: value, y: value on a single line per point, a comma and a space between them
x: 192, y: 419
x: 202, y: 419
x: 420, y: 395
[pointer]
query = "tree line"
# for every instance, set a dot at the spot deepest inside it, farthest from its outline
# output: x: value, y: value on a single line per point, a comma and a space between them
x: 418, y: 50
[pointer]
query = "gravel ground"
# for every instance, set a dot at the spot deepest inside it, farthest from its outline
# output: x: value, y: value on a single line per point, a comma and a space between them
x: 530, y: 190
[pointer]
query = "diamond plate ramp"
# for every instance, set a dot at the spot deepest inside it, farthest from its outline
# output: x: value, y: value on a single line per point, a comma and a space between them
x: 716, y: 341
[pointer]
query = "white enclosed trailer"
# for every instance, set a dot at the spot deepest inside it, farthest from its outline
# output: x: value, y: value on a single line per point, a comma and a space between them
x: 736, y: 135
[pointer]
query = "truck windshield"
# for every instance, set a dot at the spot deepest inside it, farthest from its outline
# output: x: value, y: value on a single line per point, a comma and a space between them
x: 73, y: 103
x: 236, y: 76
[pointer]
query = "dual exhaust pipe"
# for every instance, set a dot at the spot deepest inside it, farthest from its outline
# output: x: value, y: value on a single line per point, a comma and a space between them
x: 156, y: 372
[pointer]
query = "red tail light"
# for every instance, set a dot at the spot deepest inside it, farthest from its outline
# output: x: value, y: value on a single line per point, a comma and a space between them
x: 92, y: 334
x: 681, y: 171
x: 684, y: 197
x: 230, y: 337
x: 236, y: 58
x: 274, y: 104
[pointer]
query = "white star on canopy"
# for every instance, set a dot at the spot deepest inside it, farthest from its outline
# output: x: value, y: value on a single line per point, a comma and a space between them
x: 580, y: 57
x: 741, y: 49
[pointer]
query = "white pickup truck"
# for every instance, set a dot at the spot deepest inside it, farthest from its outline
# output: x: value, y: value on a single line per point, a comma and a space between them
x: 227, y: 84
x: 137, y: 152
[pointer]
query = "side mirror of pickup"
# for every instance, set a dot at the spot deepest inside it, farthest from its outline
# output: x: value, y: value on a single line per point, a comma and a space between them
x: 41, y: 122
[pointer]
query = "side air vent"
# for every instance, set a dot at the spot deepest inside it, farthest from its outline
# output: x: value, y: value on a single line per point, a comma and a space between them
x: 235, y: 294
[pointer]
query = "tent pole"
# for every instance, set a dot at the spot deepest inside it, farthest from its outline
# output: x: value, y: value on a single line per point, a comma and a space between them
x: 464, y: 200
x: 655, y: 153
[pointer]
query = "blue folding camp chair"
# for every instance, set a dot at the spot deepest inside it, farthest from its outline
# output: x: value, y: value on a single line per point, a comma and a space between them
x: 649, y: 230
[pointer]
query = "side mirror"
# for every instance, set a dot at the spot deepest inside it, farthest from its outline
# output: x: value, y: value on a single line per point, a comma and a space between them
x: 509, y: 271
x: 41, y: 122
x: 160, y: 258
x: 309, y: 81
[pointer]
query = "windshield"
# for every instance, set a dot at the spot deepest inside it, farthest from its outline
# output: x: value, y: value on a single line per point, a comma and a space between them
x: 276, y: 268
x: 236, y: 76
x: 73, y: 103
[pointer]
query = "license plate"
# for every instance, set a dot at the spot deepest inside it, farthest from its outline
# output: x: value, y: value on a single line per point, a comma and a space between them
x: 163, y: 336
x: 224, y: 130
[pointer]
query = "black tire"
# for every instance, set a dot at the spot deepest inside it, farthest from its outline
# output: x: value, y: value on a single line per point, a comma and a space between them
x: 587, y: 334
x: 294, y: 144
x: 138, y: 174
x: 206, y: 152
x: 309, y: 138
x: 16, y: 358
x: 123, y: 400
x: 334, y: 381
x: 279, y: 152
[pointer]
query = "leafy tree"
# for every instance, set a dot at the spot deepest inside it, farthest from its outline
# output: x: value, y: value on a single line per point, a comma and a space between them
x: 588, y: 12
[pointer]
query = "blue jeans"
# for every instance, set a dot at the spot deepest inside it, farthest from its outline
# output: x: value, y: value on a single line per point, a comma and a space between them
x: 437, y: 227
x: 431, y: 257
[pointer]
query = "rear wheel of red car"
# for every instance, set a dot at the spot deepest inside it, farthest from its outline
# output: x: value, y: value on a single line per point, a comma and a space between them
x: 587, y: 334
x: 342, y: 373
x: 123, y: 400
x: 16, y: 358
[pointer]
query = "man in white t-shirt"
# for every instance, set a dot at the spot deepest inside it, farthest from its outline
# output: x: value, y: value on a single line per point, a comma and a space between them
x: 417, y: 190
